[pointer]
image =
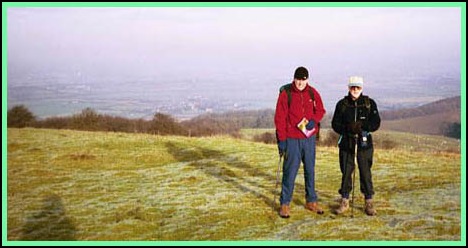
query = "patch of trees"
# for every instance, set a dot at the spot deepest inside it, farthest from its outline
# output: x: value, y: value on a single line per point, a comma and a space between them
x: 452, y: 130
x: 90, y: 120
x: 20, y: 116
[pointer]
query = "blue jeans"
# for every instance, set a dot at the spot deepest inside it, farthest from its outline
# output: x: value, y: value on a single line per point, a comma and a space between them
x: 298, y: 150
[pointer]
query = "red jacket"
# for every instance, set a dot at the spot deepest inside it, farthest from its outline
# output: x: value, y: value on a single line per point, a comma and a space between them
x: 287, y: 117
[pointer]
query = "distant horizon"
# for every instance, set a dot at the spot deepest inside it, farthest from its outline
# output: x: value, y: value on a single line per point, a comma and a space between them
x: 182, y: 117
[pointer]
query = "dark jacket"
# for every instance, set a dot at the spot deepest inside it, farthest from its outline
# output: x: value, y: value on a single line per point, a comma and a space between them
x: 287, y: 116
x: 344, y: 116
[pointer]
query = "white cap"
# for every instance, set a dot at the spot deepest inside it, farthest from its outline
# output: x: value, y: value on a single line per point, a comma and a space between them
x: 356, y: 81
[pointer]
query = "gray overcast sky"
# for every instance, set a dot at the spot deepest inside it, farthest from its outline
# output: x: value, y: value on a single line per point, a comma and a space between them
x: 204, y: 42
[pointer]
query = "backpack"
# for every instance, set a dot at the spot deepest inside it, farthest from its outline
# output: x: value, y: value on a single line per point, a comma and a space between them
x: 287, y: 88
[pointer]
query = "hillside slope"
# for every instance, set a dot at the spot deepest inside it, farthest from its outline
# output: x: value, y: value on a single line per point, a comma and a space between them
x: 72, y: 185
x: 442, y: 106
x: 432, y: 118
x: 434, y: 124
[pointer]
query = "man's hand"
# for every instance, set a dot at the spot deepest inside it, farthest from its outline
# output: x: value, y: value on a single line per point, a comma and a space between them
x: 282, y: 147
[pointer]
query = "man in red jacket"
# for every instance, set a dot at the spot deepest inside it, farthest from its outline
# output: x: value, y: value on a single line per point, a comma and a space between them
x: 300, y: 103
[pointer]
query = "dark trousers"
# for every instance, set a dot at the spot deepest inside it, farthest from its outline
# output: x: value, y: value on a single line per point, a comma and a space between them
x: 347, y: 167
x: 298, y: 150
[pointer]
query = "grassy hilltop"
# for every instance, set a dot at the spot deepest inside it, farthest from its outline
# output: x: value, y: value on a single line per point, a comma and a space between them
x: 75, y: 185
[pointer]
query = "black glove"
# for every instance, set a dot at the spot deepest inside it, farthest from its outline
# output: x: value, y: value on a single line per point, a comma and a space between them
x: 355, y: 127
x: 310, y: 125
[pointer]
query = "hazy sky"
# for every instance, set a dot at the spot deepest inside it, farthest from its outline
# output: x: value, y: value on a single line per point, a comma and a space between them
x: 211, y: 42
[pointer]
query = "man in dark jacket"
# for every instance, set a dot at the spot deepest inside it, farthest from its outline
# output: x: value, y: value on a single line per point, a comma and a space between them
x: 300, y: 103
x: 355, y: 117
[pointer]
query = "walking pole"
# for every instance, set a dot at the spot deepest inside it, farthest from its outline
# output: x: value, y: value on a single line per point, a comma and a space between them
x: 354, y: 175
x: 277, y: 180
x: 355, y: 159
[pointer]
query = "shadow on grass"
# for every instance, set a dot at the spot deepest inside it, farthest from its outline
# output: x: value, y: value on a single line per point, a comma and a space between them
x: 213, y: 166
x: 49, y: 223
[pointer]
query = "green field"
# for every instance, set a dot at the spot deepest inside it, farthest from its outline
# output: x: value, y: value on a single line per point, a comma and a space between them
x: 74, y: 185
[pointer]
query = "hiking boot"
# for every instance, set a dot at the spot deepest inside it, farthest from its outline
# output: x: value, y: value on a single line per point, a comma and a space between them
x: 344, y: 205
x: 369, y: 208
x: 284, y: 211
x: 313, y: 206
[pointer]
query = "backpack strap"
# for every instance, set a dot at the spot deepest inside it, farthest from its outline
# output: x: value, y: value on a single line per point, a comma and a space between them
x: 344, y: 105
x: 312, y: 96
x: 287, y: 88
x: 367, y: 102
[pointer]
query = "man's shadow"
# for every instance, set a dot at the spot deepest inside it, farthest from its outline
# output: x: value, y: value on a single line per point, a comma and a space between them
x: 211, y: 162
x: 49, y: 223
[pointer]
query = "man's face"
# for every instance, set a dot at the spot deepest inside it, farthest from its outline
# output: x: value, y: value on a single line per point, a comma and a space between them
x: 355, y: 91
x: 300, y: 83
